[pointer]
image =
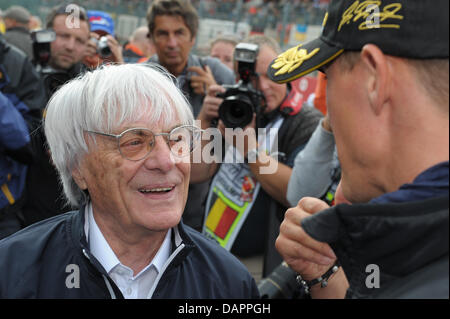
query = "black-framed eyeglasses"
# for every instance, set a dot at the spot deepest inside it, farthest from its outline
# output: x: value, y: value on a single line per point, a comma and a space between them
x: 136, y: 143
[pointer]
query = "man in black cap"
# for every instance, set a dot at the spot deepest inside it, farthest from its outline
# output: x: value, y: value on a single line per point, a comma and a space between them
x: 388, y: 102
x: 17, y: 31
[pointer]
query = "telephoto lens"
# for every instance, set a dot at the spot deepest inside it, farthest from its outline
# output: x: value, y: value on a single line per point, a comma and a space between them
x: 280, y: 284
x: 236, y: 111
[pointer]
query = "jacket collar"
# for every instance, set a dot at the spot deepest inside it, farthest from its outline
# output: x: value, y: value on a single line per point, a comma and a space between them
x: 78, y: 232
x: 399, y: 238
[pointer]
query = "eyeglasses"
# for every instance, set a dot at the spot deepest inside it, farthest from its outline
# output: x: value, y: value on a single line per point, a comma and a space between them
x: 136, y: 143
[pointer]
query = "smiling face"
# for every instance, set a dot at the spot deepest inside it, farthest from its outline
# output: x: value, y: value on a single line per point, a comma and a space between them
x: 173, y: 42
x: 139, y: 196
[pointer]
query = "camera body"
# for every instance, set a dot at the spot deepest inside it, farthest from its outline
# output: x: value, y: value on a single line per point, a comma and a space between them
x: 242, y: 100
x: 41, y: 40
x: 103, y: 48
x: 51, y: 78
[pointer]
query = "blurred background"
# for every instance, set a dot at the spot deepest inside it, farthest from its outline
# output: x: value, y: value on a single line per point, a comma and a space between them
x: 289, y: 21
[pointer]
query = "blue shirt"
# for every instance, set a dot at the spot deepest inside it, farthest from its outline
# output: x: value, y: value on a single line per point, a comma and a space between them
x: 432, y: 182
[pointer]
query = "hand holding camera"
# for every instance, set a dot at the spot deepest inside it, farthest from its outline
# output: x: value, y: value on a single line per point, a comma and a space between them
x: 105, y: 47
x: 210, y: 109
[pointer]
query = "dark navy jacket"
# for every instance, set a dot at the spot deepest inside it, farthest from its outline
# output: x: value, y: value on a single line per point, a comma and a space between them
x: 43, y: 260
x: 404, y: 233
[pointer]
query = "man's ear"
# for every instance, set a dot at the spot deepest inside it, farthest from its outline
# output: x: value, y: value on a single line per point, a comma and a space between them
x: 78, y: 178
x: 378, y: 74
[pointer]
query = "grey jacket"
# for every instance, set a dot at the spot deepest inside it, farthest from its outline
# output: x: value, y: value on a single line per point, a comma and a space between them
x: 20, y: 38
x: 314, y: 167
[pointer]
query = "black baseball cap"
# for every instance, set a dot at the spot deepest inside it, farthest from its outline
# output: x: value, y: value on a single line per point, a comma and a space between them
x: 415, y: 29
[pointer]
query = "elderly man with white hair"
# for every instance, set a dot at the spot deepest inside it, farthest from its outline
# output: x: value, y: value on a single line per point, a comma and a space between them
x: 120, y: 138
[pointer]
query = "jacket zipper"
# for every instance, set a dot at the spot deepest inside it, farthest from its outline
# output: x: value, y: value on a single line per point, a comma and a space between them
x: 166, y: 265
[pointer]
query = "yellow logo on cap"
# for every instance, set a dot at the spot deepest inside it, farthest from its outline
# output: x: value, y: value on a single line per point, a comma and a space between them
x: 292, y: 59
x: 370, y: 11
x: 325, y: 19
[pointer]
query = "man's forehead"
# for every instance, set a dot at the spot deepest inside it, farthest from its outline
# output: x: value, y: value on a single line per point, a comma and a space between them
x: 166, y: 22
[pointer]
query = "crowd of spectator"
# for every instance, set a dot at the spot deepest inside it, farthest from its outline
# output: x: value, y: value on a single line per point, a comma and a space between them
x: 98, y: 162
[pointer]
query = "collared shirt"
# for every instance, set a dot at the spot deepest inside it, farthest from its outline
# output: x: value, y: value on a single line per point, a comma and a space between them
x: 132, y: 287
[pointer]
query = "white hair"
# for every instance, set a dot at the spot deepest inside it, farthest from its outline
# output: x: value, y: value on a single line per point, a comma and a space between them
x: 103, y: 100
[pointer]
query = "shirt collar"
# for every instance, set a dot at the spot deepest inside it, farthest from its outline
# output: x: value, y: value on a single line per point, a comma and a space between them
x: 98, y: 245
x: 100, y: 248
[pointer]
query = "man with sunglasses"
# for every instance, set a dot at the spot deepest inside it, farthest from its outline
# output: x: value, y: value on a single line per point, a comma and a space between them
x: 124, y: 159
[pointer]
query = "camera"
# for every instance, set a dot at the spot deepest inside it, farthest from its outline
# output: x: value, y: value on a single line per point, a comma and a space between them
x: 242, y: 100
x: 103, y: 48
x: 281, y: 284
x: 51, y: 78
x: 41, y: 40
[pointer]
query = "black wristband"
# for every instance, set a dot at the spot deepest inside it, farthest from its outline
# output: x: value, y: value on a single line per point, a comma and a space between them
x: 323, y: 280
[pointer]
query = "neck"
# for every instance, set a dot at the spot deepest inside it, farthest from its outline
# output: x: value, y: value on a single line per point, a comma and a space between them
x: 420, y: 141
x: 176, y: 71
x: 135, y: 247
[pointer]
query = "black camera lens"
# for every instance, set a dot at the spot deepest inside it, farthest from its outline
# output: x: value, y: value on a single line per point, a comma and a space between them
x: 236, y: 111
x: 280, y: 284
x: 103, y: 47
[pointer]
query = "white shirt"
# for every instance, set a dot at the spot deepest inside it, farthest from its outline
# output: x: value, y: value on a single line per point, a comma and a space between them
x: 132, y: 287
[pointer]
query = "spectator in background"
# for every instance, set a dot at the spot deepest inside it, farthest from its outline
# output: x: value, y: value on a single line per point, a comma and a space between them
x: 316, y: 171
x: 14, y: 156
x: 222, y: 48
x: 69, y: 47
x: 102, y: 27
x: 173, y: 26
x: 17, y: 33
x: 245, y: 189
x: 35, y: 23
x: 44, y: 193
x: 21, y: 98
x: 139, y: 48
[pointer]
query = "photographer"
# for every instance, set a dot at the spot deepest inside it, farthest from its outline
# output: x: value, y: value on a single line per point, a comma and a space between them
x: 247, y: 233
x: 61, y: 64
x: 102, y: 47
